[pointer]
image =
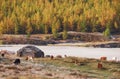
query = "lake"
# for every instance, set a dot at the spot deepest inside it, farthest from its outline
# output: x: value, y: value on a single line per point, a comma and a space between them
x: 88, y: 52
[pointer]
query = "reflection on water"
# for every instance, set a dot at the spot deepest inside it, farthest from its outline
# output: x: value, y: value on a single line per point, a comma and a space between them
x: 72, y: 51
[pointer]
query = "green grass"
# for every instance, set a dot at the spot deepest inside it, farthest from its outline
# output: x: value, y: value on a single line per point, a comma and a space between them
x: 84, y: 66
x: 89, y: 67
x: 1, y: 42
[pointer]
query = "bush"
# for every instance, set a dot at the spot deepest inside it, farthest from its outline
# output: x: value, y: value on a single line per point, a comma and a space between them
x: 64, y: 35
x: 107, y: 33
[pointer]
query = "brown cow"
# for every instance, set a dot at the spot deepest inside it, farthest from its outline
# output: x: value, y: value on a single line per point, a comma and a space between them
x: 29, y: 58
x: 100, y: 66
x: 103, y: 58
x: 51, y: 57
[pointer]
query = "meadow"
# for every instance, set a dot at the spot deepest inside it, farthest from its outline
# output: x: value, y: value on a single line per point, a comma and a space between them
x: 59, y: 68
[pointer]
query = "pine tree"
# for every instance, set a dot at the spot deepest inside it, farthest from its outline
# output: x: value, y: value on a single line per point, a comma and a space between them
x: 54, y: 32
x: 107, y: 30
x: 83, y: 26
x: 1, y: 27
x: 28, y: 28
x: 65, y: 35
x: 79, y: 14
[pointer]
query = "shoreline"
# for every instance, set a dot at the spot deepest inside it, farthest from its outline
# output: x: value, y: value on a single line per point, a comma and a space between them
x: 75, y: 39
x: 105, y: 44
x: 87, y: 52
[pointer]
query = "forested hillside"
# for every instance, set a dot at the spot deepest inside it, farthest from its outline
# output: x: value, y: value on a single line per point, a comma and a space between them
x: 53, y: 16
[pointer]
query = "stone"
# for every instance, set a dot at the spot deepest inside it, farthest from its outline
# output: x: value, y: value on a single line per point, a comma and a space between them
x: 47, y: 56
x: 48, y: 74
x: 58, y: 56
x: 30, y: 51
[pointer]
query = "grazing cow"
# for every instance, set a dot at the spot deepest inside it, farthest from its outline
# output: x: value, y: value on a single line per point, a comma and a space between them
x: 51, y: 57
x: 17, y: 61
x: 29, y: 58
x: 2, y: 54
x: 103, y: 58
x: 100, y: 66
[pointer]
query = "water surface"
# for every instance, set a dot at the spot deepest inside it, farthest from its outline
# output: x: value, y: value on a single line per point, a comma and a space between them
x: 88, y: 52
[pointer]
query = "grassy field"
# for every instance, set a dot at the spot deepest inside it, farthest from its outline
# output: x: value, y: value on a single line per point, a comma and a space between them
x: 87, y: 67
x: 59, y: 68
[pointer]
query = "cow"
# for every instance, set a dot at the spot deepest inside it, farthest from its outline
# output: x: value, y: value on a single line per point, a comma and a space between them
x: 17, y: 61
x: 2, y: 54
x: 47, y: 56
x: 29, y: 58
x: 103, y: 58
x: 100, y: 66
x: 51, y: 57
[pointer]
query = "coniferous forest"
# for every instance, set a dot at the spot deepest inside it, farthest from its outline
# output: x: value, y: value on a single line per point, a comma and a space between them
x: 54, y: 16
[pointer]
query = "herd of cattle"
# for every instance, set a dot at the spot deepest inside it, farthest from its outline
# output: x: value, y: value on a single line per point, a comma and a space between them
x: 17, y: 61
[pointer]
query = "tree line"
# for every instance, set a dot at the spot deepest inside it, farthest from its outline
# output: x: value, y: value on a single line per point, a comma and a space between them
x: 54, y: 16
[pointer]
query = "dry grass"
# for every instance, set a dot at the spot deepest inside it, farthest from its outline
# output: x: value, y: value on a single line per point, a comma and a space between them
x: 26, y: 77
x: 45, y: 68
x: 12, y: 67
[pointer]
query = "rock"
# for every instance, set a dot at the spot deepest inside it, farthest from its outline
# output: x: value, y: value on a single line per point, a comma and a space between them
x: 109, y: 45
x: 51, y: 41
x: 48, y: 74
x: 30, y: 51
x: 47, y: 56
x: 36, y: 41
x: 58, y: 56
